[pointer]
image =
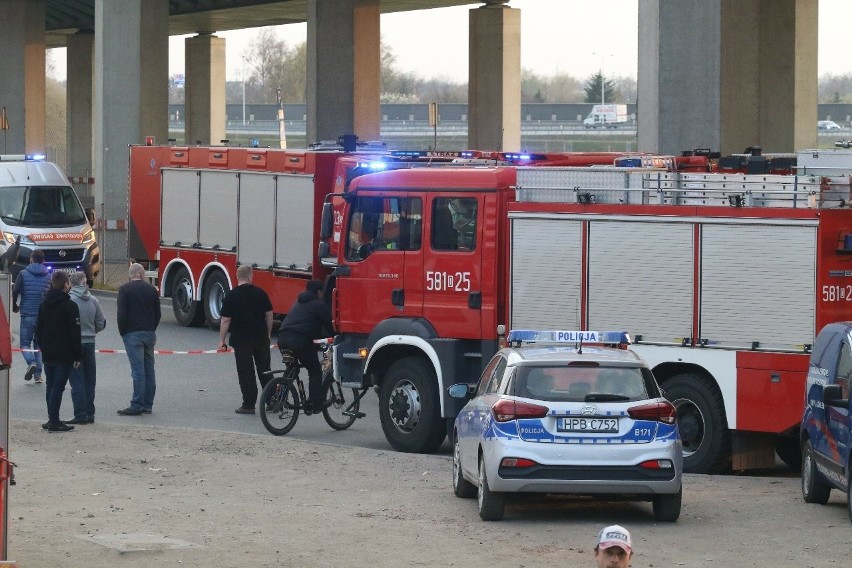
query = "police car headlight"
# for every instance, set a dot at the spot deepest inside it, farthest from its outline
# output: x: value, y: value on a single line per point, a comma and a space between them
x: 88, y: 237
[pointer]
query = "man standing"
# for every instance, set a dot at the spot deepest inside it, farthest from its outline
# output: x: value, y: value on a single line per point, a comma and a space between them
x: 614, y: 548
x: 58, y: 333
x: 92, y: 320
x: 247, y: 314
x: 138, y: 317
x: 308, y: 319
x: 30, y: 286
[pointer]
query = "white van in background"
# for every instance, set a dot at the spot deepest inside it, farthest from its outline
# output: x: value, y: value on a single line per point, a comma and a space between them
x: 39, y: 209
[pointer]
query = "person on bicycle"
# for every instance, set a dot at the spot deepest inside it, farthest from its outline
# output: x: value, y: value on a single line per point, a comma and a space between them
x: 308, y: 319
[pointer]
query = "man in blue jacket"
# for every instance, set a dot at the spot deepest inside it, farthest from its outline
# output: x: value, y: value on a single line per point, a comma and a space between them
x: 30, y: 287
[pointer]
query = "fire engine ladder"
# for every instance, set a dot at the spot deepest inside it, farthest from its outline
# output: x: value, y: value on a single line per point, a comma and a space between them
x: 586, y: 185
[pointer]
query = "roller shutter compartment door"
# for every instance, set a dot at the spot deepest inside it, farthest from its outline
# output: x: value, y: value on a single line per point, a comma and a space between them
x: 640, y: 278
x: 256, y: 234
x: 294, y: 242
x: 217, y: 222
x: 546, y: 273
x: 179, y: 221
x: 758, y: 284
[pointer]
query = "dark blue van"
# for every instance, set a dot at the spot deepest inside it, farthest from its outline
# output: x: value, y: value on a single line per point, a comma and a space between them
x: 825, y: 428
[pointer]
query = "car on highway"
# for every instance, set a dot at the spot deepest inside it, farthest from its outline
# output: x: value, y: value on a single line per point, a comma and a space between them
x: 827, y: 125
x: 566, y: 412
x: 826, y: 425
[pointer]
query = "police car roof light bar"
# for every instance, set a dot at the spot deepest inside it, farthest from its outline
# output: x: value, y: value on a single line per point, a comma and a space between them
x: 565, y: 336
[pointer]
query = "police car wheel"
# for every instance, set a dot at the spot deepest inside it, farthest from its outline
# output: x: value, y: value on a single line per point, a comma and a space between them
x: 814, y: 489
x: 667, y: 507
x: 461, y: 486
x: 491, y: 505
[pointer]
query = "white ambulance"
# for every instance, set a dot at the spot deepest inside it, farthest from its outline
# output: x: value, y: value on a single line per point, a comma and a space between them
x: 39, y: 209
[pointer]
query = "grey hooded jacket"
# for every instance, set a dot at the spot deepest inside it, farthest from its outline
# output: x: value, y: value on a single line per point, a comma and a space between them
x: 92, y: 319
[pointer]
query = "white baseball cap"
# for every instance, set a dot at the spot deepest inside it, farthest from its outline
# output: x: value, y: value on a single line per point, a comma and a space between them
x: 615, y: 535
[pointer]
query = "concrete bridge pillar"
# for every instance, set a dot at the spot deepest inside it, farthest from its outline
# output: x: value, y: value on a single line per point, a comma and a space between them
x: 78, y: 118
x: 344, y: 69
x: 205, y: 89
x: 494, y: 85
x: 130, y: 101
x: 727, y: 74
x: 22, y: 68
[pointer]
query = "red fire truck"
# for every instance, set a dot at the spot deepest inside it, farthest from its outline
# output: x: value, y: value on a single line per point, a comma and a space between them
x: 428, y: 266
x: 723, y: 279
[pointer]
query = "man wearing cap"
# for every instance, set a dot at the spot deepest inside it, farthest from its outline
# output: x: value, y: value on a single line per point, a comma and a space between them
x: 614, y: 548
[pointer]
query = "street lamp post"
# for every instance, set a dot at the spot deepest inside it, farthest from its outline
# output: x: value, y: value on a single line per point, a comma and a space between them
x: 244, y: 91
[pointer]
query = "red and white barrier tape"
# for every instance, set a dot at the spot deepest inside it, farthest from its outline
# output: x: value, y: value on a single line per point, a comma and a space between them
x: 156, y: 351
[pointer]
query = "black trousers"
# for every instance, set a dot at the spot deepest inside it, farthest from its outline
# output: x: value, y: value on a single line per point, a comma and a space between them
x: 306, y: 353
x: 251, y: 355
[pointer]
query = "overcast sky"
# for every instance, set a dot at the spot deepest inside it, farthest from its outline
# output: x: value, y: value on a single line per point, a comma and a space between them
x: 577, y: 37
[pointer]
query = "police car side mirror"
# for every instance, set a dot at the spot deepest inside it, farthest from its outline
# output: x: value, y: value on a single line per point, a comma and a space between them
x: 831, y: 395
x: 460, y: 390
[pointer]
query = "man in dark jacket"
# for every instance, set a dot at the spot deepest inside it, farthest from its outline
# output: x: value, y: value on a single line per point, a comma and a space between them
x: 308, y: 319
x: 30, y: 286
x: 247, y: 315
x: 138, y: 305
x: 58, y: 333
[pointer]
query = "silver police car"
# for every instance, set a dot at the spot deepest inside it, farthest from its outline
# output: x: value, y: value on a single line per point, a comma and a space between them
x: 570, y: 412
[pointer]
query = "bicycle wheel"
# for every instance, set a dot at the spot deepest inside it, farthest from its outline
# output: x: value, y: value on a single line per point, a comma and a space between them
x: 279, y: 406
x: 333, y: 414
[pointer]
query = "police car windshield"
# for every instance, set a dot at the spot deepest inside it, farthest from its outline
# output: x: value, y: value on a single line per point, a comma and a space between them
x: 40, y: 206
x: 576, y: 383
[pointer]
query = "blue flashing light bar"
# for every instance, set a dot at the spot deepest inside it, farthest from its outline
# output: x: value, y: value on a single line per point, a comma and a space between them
x: 36, y: 157
x: 564, y: 336
x: 375, y: 166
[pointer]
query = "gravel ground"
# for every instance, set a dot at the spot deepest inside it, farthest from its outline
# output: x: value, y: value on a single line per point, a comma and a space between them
x: 107, y: 495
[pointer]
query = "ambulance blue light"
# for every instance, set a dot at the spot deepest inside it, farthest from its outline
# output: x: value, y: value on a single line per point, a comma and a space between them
x: 565, y: 336
x: 35, y: 157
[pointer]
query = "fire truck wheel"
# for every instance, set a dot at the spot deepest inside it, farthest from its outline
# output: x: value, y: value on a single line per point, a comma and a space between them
x: 701, y: 421
x: 409, y: 407
x: 215, y: 288
x: 789, y: 450
x: 187, y: 311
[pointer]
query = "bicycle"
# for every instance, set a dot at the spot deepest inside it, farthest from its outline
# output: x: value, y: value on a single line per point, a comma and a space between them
x: 284, y: 395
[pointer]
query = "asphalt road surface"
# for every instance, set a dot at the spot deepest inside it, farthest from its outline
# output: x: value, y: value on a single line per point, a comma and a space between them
x: 193, y: 391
